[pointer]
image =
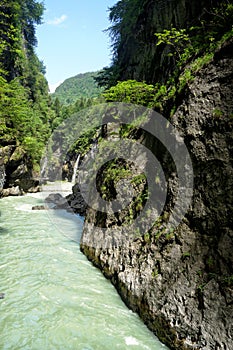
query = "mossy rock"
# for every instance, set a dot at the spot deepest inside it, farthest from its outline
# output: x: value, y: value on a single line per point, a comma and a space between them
x: 18, y: 154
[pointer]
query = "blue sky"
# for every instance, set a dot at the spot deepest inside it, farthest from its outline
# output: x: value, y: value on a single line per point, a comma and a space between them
x: 71, y: 39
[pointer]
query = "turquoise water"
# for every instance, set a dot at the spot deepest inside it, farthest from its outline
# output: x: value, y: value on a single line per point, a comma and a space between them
x: 54, y: 298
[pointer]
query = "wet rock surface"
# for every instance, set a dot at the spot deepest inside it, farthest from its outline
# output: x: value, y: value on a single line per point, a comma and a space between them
x: 39, y: 207
x: 76, y: 201
x: 57, y: 201
x: 73, y: 202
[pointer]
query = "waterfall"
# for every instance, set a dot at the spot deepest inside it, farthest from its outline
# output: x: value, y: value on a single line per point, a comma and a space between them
x: 2, y: 176
x: 43, y: 167
x: 75, y: 169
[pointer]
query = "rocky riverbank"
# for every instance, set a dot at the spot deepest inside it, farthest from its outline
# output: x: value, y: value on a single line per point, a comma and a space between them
x: 17, y: 175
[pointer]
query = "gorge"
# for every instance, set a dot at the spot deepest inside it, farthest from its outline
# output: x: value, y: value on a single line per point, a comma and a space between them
x: 174, y: 58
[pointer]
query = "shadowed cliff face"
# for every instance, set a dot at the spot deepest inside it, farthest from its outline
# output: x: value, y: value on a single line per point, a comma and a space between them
x: 16, y: 172
x: 182, y: 284
x: 136, y: 54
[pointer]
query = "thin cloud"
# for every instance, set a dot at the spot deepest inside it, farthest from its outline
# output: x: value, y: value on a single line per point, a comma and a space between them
x: 58, y: 20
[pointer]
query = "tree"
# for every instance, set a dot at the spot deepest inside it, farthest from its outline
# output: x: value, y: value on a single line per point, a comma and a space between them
x: 25, y: 111
x: 176, y: 38
x: 131, y: 91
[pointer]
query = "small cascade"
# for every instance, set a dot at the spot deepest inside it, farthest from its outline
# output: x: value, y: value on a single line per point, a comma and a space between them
x: 2, y: 176
x: 94, y: 149
x: 43, y: 167
x: 75, y: 169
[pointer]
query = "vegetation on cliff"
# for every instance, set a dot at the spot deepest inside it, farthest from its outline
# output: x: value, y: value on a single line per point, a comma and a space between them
x: 25, y: 106
x: 150, y: 47
x: 175, y: 57
x: 176, y: 53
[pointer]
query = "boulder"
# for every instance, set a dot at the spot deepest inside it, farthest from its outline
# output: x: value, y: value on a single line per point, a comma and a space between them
x: 57, y: 199
x: 11, y: 191
x: 39, y: 207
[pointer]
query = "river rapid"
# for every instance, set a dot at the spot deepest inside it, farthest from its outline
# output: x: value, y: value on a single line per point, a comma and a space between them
x: 54, y: 298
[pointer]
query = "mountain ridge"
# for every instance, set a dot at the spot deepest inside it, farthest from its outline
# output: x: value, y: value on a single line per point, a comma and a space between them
x: 82, y: 85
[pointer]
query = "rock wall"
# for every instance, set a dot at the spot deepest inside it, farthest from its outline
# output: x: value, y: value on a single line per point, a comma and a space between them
x: 137, y: 55
x: 182, y: 284
x: 17, y: 172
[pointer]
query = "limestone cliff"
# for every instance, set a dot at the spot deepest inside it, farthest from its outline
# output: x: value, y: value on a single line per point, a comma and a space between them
x: 182, y: 285
x: 135, y: 22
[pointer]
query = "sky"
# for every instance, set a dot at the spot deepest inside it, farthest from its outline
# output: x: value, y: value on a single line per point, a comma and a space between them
x: 72, y: 40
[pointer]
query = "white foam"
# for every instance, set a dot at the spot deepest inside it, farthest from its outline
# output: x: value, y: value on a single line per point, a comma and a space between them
x: 24, y: 207
x: 131, y: 341
x: 34, y: 195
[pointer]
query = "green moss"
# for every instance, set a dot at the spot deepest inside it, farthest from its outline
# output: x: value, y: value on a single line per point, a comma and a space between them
x: 227, y: 280
x: 217, y: 113
x: 18, y: 154
x: 186, y: 255
x: 147, y: 237
x: 201, y: 287
x: 138, y: 179
x: 210, y: 261
x: 155, y: 273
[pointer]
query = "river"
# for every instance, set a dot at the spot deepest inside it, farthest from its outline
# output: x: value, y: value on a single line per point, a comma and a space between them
x: 54, y: 298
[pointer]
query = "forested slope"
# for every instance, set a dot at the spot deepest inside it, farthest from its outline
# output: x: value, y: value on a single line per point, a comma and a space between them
x: 80, y: 86
x: 25, y: 105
